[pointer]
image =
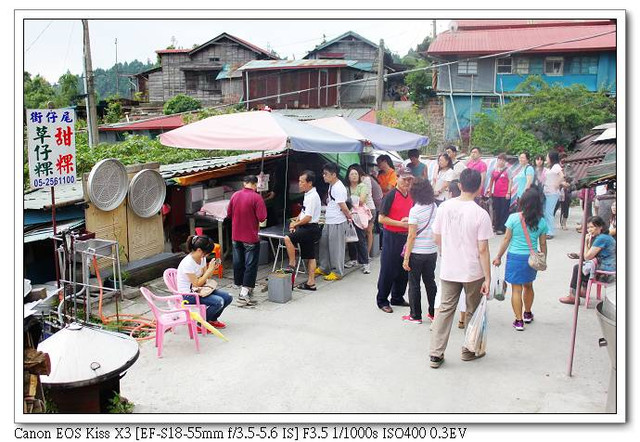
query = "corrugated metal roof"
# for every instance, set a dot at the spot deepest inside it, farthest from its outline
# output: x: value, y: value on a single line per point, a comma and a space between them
x: 487, y: 24
x: 41, y: 198
x: 488, y: 41
x: 46, y: 232
x: 169, y: 171
x: 295, y: 64
x: 229, y: 71
x: 313, y: 114
x: 588, y: 152
x: 165, y: 122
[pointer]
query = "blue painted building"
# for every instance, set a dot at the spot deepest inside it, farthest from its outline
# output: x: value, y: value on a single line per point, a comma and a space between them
x: 484, y: 61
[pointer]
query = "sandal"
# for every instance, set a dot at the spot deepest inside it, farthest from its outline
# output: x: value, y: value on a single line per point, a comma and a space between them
x: 460, y: 324
x: 573, y: 255
x: 305, y: 286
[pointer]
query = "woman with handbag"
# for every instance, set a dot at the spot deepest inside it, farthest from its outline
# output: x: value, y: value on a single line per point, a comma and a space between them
x: 421, y: 251
x: 524, y: 229
x: 443, y: 178
x: 359, y: 195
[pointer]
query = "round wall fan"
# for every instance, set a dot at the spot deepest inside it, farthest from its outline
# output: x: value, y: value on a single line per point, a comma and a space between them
x: 107, y: 184
x: 147, y: 191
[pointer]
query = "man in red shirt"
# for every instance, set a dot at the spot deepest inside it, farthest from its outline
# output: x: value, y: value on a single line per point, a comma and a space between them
x: 246, y: 210
x: 394, y: 216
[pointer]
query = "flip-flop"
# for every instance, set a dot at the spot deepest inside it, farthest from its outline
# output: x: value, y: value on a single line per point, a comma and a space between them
x: 305, y: 286
x: 573, y: 255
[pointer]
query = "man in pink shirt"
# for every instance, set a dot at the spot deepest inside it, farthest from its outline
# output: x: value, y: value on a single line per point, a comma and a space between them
x: 246, y: 210
x: 476, y: 163
x: 462, y: 231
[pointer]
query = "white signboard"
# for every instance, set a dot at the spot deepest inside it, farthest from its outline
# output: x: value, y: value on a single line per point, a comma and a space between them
x: 51, y: 141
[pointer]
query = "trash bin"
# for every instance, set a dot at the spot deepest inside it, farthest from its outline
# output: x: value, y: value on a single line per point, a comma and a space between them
x: 606, y: 313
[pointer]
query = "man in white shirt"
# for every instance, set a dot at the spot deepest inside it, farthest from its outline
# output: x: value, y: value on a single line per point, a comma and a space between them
x: 305, y: 230
x: 462, y: 231
x: 337, y: 219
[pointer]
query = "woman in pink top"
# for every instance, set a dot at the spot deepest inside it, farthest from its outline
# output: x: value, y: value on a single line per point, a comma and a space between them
x: 476, y: 163
x: 500, y: 194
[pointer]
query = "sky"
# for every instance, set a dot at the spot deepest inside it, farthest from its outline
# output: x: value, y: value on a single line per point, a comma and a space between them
x: 53, y: 46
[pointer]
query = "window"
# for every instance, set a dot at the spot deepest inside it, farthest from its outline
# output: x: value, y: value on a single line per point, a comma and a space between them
x: 554, y: 66
x: 522, y: 66
x: 490, y: 102
x: 583, y: 65
x: 503, y: 65
x: 191, y: 81
x: 536, y: 66
x: 467, y: 67
x: 214, y: 58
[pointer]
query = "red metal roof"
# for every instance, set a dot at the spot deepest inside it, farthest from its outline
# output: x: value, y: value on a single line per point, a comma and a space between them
x: 487, y: 24
x: 495, y: 40
x: 589, y: 152
x: 168, y: 122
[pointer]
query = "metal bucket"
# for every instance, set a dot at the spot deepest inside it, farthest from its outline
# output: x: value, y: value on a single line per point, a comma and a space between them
x: 606, y: 314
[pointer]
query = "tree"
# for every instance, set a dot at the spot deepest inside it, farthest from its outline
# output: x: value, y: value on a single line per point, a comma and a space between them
x: 181, y: 103
x: 547, y: 116
x: 420, y: 83
x: 37, y: 92
x: 410, y: 120
x: 114, y: 111
x: 67, y: 90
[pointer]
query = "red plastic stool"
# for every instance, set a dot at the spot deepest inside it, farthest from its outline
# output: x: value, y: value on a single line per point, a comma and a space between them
x: 216, y: 251
x: 599, y: 285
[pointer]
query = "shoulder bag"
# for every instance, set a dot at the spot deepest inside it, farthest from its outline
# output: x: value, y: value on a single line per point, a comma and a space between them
x: 404, y: 247
x: 537, y: 260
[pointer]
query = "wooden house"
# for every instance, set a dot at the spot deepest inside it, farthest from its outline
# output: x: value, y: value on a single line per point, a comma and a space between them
x: 492, y: 57
x: 207, y: 72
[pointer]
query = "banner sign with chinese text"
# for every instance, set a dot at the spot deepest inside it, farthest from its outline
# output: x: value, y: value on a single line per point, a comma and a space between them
x: 51, y: 140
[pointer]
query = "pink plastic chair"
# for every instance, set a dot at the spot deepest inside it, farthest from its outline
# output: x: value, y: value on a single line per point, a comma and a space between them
x: 599, y: 284
x: 170, y: 277
x: 169, y: 319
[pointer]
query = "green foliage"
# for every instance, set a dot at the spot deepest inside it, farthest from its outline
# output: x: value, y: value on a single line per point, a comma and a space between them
x: 181, y: 103
x: 210, y: 112
x: 114, y: 111
x: 419, y: 83
x: 134, y: 150
x: 120, y: 404
x: 37, y: 92
x: 105, y: 79
x: 410, y: 120
x: 550, y: 116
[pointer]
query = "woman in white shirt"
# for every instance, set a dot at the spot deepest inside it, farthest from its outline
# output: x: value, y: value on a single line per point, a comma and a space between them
x: 553, y: 182
x: 193, y: 273
x: 443, y: 178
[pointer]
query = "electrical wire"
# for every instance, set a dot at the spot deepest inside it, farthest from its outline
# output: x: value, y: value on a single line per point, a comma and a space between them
x: 39, y: 35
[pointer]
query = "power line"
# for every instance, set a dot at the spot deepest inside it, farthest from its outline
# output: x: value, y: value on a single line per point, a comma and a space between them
x: 40, y: 34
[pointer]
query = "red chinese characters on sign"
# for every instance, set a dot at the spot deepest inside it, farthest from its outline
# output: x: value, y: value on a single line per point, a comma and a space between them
x: 63, y: 137
x: 64, y: 165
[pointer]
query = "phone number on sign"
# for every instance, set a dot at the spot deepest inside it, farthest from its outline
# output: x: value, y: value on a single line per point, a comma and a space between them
x: 46, y: 182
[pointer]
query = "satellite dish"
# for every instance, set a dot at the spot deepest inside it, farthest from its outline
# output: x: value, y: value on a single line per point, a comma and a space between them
x: 107, y: 184
x: 146, y: 193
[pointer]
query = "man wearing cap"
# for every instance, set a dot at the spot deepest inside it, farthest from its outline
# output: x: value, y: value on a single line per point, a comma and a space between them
x: 394, y: 216
x: 458, y: 166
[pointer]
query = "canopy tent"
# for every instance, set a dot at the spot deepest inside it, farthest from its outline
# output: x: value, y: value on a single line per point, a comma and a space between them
x: 376, y: 135
x: 258, y: 130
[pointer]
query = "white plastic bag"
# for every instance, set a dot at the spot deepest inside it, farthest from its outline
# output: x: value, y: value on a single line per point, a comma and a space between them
x: 475, y: 338
x: 497, y: 289
x: 351, y: 235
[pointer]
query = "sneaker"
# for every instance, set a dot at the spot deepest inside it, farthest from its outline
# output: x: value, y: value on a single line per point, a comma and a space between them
x: 366, y: 269
x: 518, y: 324
x: 435, y: 362
x: 218, y: 324
x: 408, y: 318
x: 332, y: 277
x: 245, y: 300
x: 430, y: 317
x: 350, y: 264
x: 527, y: 317
x: 319, y: 271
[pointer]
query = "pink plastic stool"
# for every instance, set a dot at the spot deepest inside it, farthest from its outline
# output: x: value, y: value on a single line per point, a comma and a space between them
x: 599, y: 285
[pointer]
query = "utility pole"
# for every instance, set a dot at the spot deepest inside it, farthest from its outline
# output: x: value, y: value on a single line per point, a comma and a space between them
x: 380, y: 83
x: 434, y: 30
x: 117, y: 88
x: 92, y: 115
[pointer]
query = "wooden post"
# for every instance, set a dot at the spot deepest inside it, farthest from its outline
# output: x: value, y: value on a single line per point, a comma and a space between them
x: 380, y: 83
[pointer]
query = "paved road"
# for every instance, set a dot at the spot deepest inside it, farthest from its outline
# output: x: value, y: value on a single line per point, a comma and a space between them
x: 333, y: 351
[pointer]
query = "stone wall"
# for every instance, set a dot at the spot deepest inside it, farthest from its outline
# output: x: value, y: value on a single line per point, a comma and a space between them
x: 433, y: 111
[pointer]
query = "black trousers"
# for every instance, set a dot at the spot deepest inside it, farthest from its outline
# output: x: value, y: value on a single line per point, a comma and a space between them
x: 393, y: 278
x: 423, y: 266
x: 500, y: 212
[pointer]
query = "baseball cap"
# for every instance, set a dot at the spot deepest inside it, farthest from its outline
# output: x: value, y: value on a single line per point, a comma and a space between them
x: 404, y: 172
